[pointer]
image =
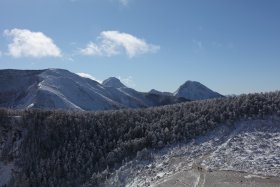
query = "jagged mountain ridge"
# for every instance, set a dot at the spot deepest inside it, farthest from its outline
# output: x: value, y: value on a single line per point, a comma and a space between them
x: 61, y: 89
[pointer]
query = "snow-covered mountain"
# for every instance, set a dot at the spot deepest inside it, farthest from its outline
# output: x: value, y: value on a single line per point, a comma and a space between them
x: 193, y: 90
x: 58, y: 88
x: 113, y: 82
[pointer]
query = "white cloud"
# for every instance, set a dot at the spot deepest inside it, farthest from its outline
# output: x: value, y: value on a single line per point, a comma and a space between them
x: 128, y: 81
x: 86, y: 75
x: 112, y: 43
x: 91, y: 49
x: 26, y: 43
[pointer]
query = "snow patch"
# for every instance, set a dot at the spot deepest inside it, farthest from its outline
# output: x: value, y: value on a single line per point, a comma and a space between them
x: 161, y: 174
x: 30, y: 106
x: 254, y: 176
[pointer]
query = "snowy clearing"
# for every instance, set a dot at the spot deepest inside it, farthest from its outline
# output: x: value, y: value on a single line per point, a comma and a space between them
x: 250, y: 146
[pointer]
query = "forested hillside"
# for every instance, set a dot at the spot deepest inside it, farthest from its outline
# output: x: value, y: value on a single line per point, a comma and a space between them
x: 58, y: 148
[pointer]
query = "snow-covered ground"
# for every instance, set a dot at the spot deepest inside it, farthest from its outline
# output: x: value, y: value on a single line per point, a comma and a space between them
x: 251, y: 146
x: 255, y: 149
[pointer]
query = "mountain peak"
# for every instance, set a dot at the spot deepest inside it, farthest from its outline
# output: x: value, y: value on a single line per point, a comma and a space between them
x: 189, y: 82
x: 194, y: 90
x: 193, y: 84
x: 113, y: 82
x: 154, y: 91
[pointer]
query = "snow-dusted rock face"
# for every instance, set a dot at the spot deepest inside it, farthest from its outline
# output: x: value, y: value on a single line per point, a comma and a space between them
x: 61, y: 89
x: 195, y: 91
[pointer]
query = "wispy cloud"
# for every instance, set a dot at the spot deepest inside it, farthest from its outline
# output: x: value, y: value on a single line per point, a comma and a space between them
x: 225, y: 45
x: 124, y: 2
x: 198, y: 44
x: 89, y: 76
x: 93, y: 49
x: 128, y: 81
x: 25, y: 43
x: 216, y: 44
x: 110, y: 43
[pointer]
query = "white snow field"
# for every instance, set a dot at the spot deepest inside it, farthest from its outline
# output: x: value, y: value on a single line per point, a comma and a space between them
x: 246, y: 153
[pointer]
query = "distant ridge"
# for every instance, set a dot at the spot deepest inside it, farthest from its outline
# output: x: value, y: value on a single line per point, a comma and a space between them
x: 159, y: 92
x: 62, y: 89
x: 196, y: 91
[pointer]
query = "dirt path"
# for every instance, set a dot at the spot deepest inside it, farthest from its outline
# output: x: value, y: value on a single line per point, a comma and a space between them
x: 201, y: 180
x: 195, y: 178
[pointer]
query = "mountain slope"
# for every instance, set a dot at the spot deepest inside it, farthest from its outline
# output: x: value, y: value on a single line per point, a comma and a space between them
x: 61, y: 89
x: 244, y: 151
x: 195, y: 91
x: 190, y: 143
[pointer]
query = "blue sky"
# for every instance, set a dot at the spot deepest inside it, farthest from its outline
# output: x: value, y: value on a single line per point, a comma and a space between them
x: 231, y: 46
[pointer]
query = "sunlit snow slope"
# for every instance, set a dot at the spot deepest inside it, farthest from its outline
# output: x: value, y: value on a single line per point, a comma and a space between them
x: 61, y: 89
x: 230, y: 155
